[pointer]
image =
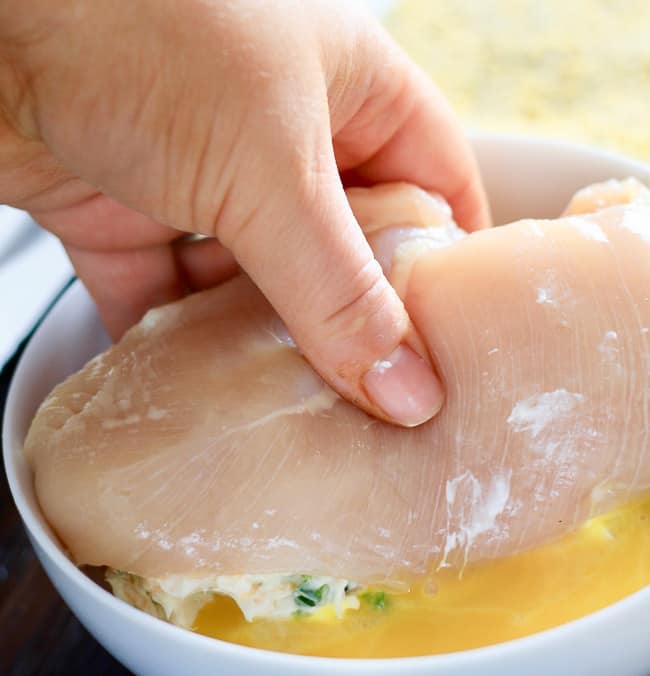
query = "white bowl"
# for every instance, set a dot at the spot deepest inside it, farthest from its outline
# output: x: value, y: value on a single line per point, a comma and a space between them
x: 524, y: 177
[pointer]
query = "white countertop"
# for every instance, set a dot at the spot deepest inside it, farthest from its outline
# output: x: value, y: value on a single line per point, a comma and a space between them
x: 33, y: 270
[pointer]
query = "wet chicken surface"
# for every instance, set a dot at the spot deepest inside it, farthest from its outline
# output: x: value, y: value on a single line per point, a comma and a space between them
x: 203, y: 441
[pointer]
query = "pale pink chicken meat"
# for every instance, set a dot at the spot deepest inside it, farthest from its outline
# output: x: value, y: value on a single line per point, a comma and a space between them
x: 203, y: 442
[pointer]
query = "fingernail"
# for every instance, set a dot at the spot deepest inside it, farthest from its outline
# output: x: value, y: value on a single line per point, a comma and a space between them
x: 405, y: 387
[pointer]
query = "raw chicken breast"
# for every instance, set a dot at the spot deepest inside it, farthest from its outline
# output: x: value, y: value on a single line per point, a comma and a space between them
x: 204, y: 443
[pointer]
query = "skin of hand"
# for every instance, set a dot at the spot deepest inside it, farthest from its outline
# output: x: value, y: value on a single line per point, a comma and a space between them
x: 123, y: 123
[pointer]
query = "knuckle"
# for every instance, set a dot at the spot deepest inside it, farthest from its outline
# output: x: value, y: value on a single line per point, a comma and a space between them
x: 362, y: 293
x: 369, y: 319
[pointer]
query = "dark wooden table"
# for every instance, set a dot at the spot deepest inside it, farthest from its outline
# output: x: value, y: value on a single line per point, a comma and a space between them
x: 38, y: 634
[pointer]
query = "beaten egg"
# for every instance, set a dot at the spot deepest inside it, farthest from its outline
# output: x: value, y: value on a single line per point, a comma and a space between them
x: 607, y: 559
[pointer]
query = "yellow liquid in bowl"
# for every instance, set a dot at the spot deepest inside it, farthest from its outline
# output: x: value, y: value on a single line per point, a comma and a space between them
x: 605, y: 560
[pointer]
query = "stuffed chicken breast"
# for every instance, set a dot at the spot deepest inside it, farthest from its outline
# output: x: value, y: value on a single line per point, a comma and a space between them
x: 202, y: 453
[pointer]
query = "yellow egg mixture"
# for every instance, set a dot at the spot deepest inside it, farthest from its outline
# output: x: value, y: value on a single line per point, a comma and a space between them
x: 605, y: 560
x: 577, y: 69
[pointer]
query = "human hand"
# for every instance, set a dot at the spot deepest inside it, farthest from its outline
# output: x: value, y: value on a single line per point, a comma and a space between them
x: 127, y: 122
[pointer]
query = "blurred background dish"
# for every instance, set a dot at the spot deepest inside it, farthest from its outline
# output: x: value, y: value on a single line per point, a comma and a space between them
x: 577, y: 70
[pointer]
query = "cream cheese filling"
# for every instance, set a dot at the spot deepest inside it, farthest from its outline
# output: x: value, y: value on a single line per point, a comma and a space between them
x: 178, y: 598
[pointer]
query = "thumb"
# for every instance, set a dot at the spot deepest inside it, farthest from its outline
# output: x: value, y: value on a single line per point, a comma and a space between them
x: 312, y: 261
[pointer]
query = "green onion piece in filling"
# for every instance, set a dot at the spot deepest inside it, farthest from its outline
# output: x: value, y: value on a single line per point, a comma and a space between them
x: 376, y: 599
x: 309, y: 598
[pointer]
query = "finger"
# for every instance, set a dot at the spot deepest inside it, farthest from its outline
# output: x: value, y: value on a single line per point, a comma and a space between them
x: 308, y: 255
x: 124, y: 258
x: 125, y: 284
x: 130, y: 263
x: 406, y: 131
x: 204, y: 263
x: 102, y: 224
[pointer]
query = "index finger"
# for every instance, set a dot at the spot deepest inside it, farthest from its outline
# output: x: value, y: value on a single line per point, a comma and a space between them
x: 405, y: 130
